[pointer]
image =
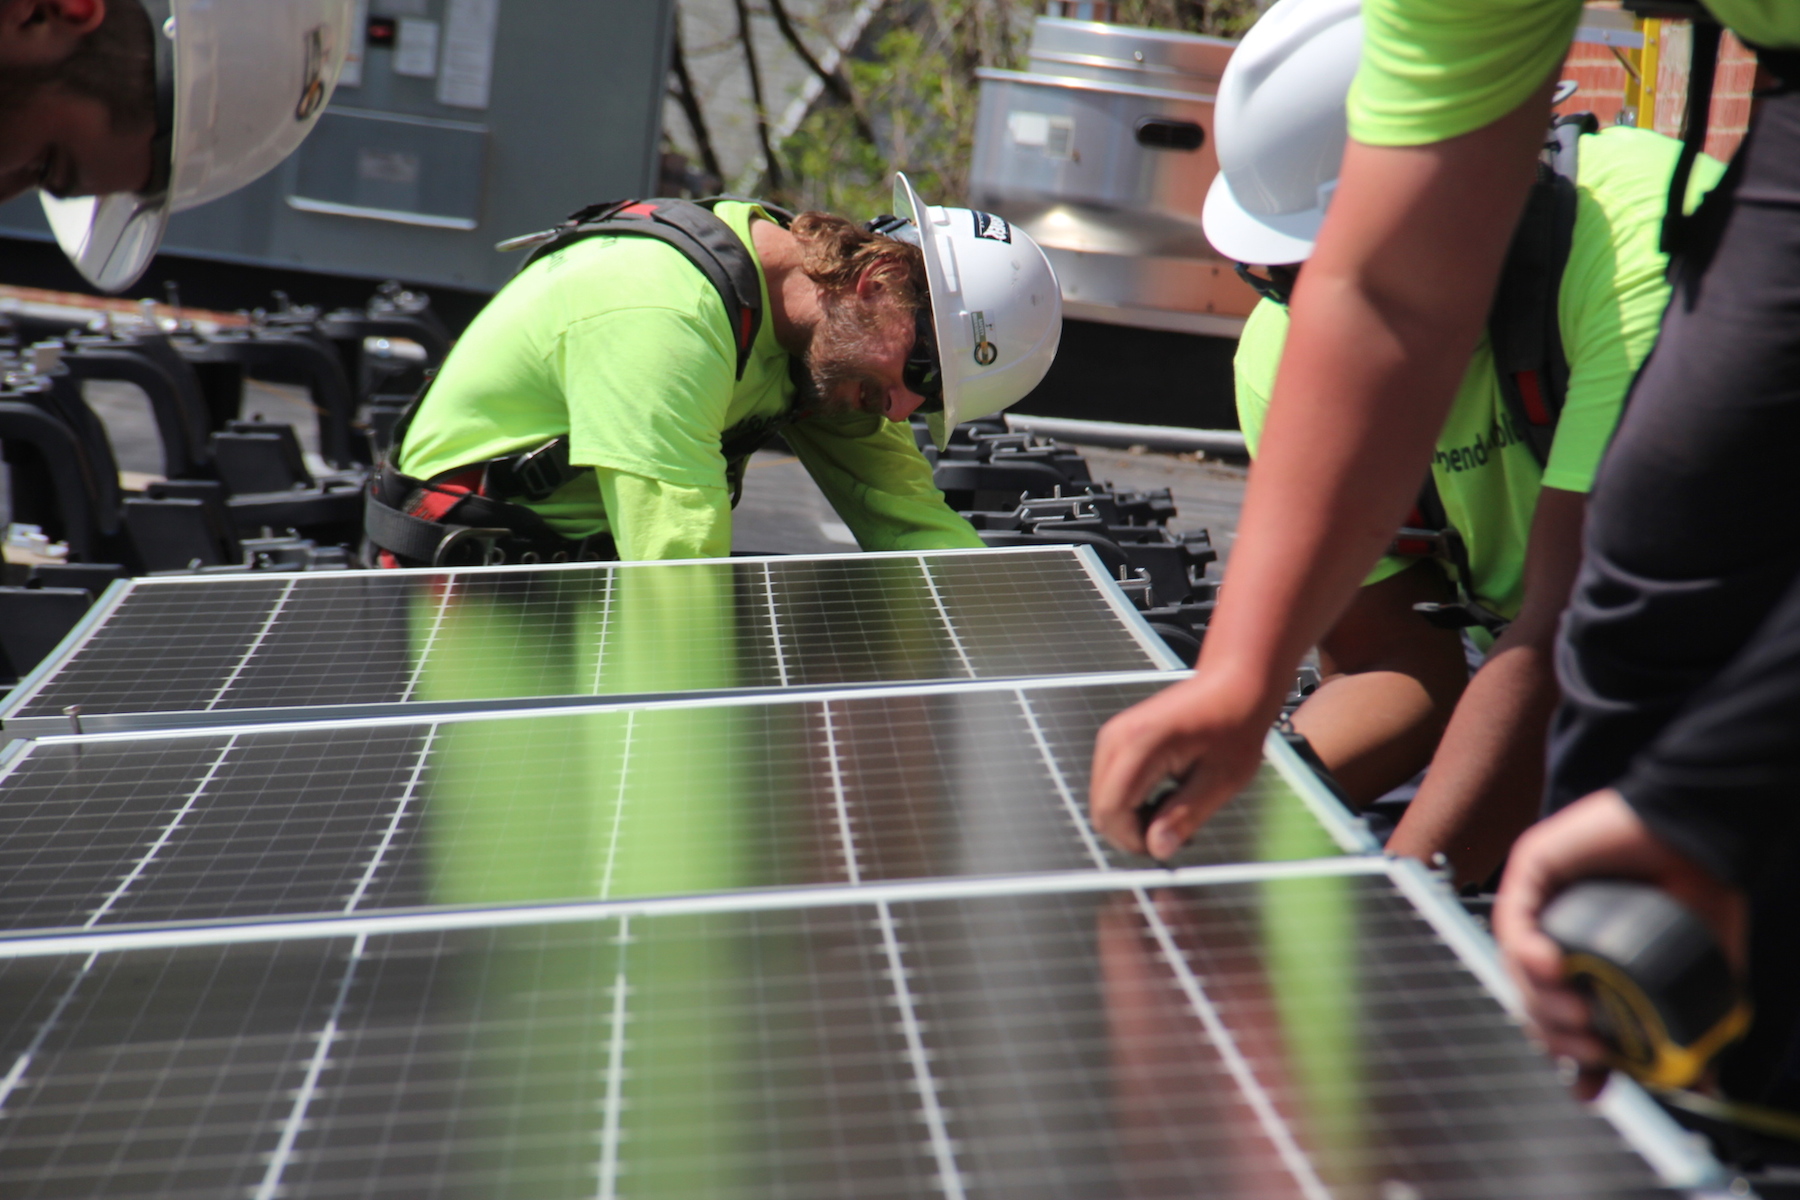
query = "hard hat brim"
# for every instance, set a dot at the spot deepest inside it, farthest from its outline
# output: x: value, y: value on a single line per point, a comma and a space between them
x: 245, y: 81
x: 944, y: 314
x: 109, y: 239
x: 1263, y: 240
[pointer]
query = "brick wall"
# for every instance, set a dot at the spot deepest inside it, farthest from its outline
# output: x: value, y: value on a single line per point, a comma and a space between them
x: 1603, y: 81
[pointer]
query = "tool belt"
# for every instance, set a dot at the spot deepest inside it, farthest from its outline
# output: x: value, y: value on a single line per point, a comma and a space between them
x: 465, y: 518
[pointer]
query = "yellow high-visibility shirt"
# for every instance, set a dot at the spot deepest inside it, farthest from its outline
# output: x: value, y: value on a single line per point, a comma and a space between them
x: 1437, y: 69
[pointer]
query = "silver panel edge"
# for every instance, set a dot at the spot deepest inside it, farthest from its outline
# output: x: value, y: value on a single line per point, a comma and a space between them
x: 107, y: 603
x: 1346, y: 829
x: 332, y: 925
x: 396, y: 715
x: 1131, y: 618
x: 12, y: 754
x: 547, y: 568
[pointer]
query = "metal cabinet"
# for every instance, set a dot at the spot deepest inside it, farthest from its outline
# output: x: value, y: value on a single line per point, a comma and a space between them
x: 1103, y: 152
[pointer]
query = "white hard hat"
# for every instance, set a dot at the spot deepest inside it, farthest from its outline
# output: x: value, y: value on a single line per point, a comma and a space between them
x: 240, y: 83
x: 1279, y: 130
x: 995, y: 304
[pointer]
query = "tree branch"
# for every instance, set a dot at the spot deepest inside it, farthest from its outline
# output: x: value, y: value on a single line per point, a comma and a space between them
x: 756, y: 93
x: 690, y: 106
x: 834, y: 80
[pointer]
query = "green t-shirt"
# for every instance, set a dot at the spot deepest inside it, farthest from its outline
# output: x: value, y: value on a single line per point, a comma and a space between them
x: 621, y: 343
x: 1436, y: 69
x: 1611, y: 301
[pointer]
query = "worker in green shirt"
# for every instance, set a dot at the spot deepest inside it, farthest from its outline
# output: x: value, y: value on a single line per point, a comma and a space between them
x: 1397, y: 694
x: 604, y: 403
x: 1672, y: 756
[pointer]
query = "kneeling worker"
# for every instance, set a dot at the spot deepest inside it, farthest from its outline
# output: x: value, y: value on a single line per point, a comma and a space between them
x: 605, y: 402
x: 1576, y: 313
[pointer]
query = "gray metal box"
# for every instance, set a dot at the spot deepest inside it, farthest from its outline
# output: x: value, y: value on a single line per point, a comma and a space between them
x: 485, y: 119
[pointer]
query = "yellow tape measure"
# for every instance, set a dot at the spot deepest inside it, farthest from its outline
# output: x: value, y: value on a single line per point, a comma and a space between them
x: 1663, y: 998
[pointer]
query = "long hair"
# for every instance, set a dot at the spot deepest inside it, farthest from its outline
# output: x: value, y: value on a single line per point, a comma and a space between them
x: 115, y: 64
x: 834, y: 253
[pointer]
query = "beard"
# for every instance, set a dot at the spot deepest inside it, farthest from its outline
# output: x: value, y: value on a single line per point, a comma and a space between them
x: 846, y: 340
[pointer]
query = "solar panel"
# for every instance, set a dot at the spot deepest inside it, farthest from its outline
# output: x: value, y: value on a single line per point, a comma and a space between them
x: 736, y: 880
x: 180, y: 651
x: 566, y: 804
x: 1299, y: 1033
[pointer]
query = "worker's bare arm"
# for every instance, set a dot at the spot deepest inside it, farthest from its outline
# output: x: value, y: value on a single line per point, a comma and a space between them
x: 1391, y: 682
x: 1384, y: 318
x: 1487, y: 779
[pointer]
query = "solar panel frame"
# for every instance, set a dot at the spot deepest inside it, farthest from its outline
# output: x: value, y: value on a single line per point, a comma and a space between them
x: 22, y: 710
x: 232, y: 828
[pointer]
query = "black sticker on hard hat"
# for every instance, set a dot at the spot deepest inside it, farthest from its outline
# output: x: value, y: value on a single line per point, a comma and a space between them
x: 313, y: 91
x: 993, y: 228
x: 985, y: 351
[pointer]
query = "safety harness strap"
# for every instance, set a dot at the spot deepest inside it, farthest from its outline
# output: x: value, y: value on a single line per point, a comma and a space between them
x: 692, y: 228
x: 1702, y: 66
x: 1523, y: 330
x: 1428, y: 533
x: 417, y: 540
x: 448, y: 522
x: 1705, y: 34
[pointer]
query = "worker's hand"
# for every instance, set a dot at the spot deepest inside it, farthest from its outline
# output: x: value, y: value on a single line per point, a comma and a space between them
x: 1599, y: 836
x: 1203, y: 731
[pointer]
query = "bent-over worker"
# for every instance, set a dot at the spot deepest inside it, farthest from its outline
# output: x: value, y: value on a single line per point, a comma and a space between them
x: 605, y: 403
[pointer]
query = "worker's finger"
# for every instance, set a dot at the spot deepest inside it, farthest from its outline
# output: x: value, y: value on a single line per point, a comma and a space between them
x: 1208, y: 786
x: 1577, y: 1046
x: 1556, y: 1016
x: 1589, y: 1081
x: 1522, y: 896
x: 1534, y: 960
x: 1133, y: 752
x: 1116, y: 764
x: 1558, y: 1012
x: 1555, y: 1013
x: 1206, y: 734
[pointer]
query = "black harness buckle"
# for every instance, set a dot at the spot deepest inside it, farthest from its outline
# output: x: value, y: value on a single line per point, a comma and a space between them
x: 467, y: 546
x: 533, y: 475
x: 1465, y: 614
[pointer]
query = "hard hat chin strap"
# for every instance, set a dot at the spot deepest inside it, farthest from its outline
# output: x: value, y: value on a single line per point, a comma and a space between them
x: 162, y: 145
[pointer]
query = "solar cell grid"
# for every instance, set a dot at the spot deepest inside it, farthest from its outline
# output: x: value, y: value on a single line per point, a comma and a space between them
x: 166, y: 650
x: 679, y: 798
x: 1049, y: 636
x: 1022, y: 1015
x: 164, y: 1074
x: 338, y: 637
x: 1223, y: 1040
x: 209, y: 650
